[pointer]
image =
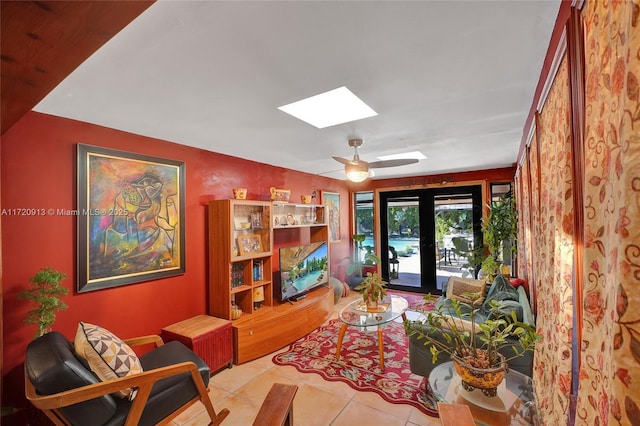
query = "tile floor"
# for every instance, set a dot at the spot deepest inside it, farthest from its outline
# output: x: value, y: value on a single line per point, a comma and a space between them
x: 242, y: 389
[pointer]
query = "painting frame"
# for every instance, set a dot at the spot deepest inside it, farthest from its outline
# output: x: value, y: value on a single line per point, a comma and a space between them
x: 332, y: 201
x: 249, y: 244
x: 130, y: 218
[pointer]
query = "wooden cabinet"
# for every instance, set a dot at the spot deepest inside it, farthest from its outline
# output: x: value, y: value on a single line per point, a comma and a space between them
x: 241, y: 270
x: 287, y: 215
x: 240, y: 248
x: 283, y: 324
x: 211, y: 338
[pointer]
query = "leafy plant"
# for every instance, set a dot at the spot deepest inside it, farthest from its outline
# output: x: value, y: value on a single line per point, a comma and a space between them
x: 373, y: 288
x: 498, y: 228
x: 45, y: 293
x: 369, y: 259
x: 459, y: 341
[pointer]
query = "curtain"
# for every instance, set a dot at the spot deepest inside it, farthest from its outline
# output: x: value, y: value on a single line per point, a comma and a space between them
x: 523, y: 198
x: 554, y: 253
x: 609, y: 387
x: 535, y: 208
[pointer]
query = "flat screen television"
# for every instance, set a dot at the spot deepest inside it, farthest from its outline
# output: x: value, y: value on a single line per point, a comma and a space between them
x: 302, y: 268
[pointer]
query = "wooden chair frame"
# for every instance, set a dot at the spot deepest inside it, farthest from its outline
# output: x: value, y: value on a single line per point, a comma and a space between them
x: 144, y: 381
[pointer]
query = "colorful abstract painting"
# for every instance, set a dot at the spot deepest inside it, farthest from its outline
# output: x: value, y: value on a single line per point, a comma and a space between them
x: 130, y: 218
x: 332, y: 201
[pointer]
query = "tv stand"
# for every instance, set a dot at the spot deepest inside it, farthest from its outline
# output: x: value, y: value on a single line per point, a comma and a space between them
x: 274, y: 327
x: 298, y: 297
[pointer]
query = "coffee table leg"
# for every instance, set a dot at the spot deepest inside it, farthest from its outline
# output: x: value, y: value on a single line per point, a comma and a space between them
x: 381, y: 348
x: 343, y: 328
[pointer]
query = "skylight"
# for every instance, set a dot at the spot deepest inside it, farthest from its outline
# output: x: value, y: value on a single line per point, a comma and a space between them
x: 329, y: 108
x: 413, y: 154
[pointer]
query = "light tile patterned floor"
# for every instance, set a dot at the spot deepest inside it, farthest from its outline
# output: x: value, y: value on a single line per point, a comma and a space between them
x: 318, y: 402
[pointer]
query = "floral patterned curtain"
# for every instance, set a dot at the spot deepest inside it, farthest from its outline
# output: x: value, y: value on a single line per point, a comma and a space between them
x: 523, y: 198
x: 609, y: 389
x: 535, y: 208
x: 554, y: 253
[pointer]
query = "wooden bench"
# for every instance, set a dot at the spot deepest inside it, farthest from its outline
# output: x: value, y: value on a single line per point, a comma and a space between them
x: 277, y: 407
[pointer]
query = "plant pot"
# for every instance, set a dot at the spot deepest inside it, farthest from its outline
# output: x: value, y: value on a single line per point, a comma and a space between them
x: 485, y: 379
x: 372, y: 304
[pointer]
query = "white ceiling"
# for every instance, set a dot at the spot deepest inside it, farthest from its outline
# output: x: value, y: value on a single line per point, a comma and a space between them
x: 452, y: 79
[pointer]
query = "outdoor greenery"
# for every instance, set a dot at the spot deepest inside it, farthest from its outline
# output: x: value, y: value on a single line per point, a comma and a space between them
x: 405, y: 221
x: 499, y: 230
x: 370, y: 258
x: 459, y: 342
x: 452, y: 219
x: 45, y: 293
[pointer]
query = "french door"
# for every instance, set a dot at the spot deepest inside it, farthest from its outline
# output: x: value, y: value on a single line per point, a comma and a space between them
x: 429, y: 234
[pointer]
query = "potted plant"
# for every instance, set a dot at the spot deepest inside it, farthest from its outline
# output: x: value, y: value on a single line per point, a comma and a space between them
x: 373, y: 289
x: 357, y: 265
x: 499, y: 230
x: 45, y: 293
x: 476, y: 348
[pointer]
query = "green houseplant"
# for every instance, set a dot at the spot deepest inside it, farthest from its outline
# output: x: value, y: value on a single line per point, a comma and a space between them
x: 373, y: 289
x: 355, y: 267
x: 475, y: 348
x: 499, y: 229
x: 45, y: 293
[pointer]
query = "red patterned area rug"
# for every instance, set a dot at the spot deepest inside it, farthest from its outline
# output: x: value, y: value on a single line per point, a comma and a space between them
x: 359, y: 364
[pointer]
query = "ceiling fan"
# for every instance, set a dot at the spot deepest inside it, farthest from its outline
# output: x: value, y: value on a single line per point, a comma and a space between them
x: 358, y: 170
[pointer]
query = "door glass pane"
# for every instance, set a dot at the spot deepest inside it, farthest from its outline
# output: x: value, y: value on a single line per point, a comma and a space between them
x: 364, y: 222
x: 403, y: 232
x: 454, y: 236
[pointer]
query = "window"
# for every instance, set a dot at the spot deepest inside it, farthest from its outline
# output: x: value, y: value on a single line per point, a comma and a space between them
x: 364, y: 215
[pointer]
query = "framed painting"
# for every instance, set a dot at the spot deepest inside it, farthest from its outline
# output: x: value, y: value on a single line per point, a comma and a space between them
x: 332, y: 201
x: 130, y: 218
x: 249, y: 244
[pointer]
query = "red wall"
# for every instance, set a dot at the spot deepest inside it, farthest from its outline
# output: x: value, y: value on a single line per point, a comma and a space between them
x: 38, y: 169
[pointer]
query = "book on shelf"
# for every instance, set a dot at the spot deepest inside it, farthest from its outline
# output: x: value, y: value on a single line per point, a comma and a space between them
x: 237, y: 274
x: 258, y: 270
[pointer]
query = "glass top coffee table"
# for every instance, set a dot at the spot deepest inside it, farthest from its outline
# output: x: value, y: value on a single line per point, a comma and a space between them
x: 356, y: 314
x: 514, y: 404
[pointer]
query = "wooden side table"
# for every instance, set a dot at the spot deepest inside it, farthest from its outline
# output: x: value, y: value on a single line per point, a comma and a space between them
x: 209, y: 337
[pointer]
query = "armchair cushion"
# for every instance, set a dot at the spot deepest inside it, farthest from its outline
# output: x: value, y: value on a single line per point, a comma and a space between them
x: 168, y: 393
x: 52, y: 367
x: 501, y: 289
x: 457, y: 287
x: 107, y: 355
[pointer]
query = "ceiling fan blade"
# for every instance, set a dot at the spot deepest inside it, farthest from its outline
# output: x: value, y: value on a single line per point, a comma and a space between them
x: 356, y: 160
x: 343, y: 160
x: 392, y: 163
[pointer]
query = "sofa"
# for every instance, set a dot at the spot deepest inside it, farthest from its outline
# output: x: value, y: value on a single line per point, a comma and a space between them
x: 511, y: 299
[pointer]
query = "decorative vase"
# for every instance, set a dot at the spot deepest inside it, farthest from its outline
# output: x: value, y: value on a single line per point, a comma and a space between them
x: 240, y: 193
x: 485, y: 379
x: 236, y: 312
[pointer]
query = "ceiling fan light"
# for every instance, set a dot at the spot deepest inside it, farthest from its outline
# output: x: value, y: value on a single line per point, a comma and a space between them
x: 356, y: 172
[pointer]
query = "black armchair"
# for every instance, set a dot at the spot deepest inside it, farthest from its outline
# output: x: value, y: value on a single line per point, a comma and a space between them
x: 62, y: 386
